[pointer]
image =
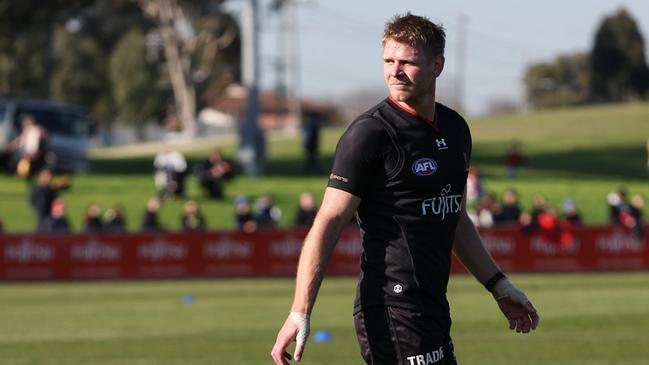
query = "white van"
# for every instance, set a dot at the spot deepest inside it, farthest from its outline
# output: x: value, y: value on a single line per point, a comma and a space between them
x: 67, y: 128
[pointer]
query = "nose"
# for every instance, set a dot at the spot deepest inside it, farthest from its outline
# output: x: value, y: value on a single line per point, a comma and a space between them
x: 394, y: 69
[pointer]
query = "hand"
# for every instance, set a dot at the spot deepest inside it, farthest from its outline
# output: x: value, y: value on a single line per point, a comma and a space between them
x: 518, y: 310
x: 296, y: 328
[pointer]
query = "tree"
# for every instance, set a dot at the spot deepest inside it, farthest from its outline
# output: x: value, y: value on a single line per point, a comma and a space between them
x: 619, y: 68
x: 563, y: 82
x: 80, y: 71
x: 180, y: 40
x: 134, y: 80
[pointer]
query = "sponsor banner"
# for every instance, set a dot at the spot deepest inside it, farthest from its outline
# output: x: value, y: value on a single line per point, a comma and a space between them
x: 275, y: 253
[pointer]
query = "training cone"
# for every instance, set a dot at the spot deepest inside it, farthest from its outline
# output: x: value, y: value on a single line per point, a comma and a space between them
x: 323, y: 336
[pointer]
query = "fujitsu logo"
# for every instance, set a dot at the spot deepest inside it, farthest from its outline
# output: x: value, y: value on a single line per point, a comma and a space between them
x: 28, y: 251
x: 94, y: 251
x: 226, y: 248
x: 160, y: 250
x: 442, y: 205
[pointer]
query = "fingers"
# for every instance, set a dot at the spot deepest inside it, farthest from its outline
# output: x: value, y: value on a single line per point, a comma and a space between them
x: 299, y: 349
x: 529, y: 320
x: 534, y: 316
x: 280, y: 357
x: 279, y: 354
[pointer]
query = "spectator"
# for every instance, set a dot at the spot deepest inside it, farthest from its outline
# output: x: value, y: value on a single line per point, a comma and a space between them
x: 92, y: 219
x: 43, y: 193
x: 618, y: 206
x: 29, y: 148
x: 571, y: 214
x: 150, y: 217
x: 635, y: 220
x: 212, y: 172
x: 510, y: 211
x: 514, y: 159
x: 114, y: 220
x: 243, y: 217
x: 486, y: 210
x: 311, y: 142
x: 538, y: 208
x: 192, y: 218
x: 267, y: 214
x: 170, y: 170
x: 474, y: 187
x: 306, y: 210
x: 56, y: 222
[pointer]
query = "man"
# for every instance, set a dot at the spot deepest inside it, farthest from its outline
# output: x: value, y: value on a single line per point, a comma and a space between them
x: 212, y: 172
x: 402, y: 167
x: 31, y: 147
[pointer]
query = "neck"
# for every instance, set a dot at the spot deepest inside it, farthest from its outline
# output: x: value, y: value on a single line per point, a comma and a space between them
x: 425, y: 109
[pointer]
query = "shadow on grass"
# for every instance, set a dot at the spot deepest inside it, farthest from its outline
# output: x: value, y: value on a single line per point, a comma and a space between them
x: 603, y: 163
x: 275, y: 167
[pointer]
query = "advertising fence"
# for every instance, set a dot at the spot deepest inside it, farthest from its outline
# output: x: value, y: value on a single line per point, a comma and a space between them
x: 235, y: 254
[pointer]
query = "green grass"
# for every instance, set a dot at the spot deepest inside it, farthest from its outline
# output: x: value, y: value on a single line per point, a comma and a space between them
x: 583, y: 152
x: 586, y: 319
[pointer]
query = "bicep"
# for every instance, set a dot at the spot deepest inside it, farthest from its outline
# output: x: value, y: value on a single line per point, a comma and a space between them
x: 338, y: 205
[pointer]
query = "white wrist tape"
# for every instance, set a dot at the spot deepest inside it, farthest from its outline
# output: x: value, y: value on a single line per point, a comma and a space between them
x: 505, y: 289
x: 301, y: 321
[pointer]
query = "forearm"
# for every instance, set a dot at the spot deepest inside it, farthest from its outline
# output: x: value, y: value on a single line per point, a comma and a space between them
x: 317, y: 249
x: 337, y: 209
x: 469, y: 249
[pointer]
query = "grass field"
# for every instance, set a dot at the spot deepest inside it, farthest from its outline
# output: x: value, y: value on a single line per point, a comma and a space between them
x: 583, y: 152
x: 595, y: 319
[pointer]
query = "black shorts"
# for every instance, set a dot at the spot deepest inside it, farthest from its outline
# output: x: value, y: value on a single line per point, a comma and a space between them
x: 391, y: 335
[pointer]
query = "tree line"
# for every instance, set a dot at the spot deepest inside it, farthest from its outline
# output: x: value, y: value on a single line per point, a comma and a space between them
x: 123, y: 60
x: 614, y: 70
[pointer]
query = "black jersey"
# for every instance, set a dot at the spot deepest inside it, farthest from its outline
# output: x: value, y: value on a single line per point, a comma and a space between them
x: 410, y: 175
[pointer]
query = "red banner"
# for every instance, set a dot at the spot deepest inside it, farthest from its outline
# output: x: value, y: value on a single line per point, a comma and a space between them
x: 225, y: 254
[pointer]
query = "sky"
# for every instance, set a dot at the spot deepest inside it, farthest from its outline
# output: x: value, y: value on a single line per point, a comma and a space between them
x: 339, y: 53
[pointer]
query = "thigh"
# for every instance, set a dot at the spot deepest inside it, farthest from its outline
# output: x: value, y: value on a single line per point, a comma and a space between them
x: 390, y: 335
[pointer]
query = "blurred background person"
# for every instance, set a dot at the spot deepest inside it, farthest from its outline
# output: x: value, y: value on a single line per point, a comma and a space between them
x: 170, y: 171
x: 29, y: 148
x: 114, y: 220
x: 150, y: 217
x: 56, y: 221
x: 570, y: 212
x: 43, y: 193
x: 311, y: 143
x: 92, y: 219
x: 475, y: 189
x: 306, y: 210
x: 513, y: 160
x: 267, y: 214
x: 617, y: 204
x: 486, y: 210
x: 243, y: 218
x: 212, y: 172
x: 510, y: 210
x: 634, y: 219
x: 192, y: 218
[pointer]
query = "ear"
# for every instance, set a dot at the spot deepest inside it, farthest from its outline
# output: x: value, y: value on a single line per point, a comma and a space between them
x: 438, y: 66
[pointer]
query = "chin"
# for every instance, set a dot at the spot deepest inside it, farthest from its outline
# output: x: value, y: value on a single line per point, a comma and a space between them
x: 400, y: 96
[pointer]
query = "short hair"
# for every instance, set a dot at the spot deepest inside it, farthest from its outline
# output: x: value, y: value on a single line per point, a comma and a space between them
x: 416, y: 31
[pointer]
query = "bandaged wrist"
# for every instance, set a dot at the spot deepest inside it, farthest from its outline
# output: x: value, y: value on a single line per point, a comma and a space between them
x: 302, y: 322
x: 505, y: 289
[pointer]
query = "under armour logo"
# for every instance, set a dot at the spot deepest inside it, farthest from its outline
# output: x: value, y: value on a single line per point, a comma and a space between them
x: 441, y: 144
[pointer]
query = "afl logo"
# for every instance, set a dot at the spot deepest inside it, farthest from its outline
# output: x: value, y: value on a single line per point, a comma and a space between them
x: 424, y: 167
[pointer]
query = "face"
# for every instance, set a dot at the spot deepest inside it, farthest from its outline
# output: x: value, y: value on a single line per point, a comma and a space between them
x: 409, y: 73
